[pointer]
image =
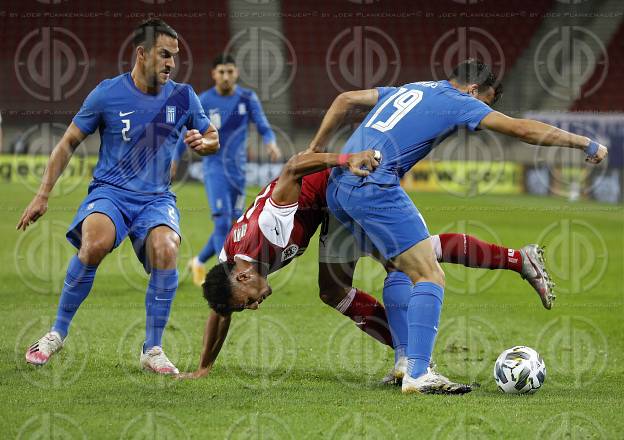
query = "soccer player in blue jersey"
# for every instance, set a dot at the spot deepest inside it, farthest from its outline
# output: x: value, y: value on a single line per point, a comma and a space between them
x: 140, y: 116
x: 231, y: 108
x: 405, y: 123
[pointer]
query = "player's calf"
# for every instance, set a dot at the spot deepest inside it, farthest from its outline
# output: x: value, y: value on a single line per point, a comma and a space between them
x: 368, y: 314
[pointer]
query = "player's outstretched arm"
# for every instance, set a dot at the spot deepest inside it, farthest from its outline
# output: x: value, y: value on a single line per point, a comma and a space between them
x: 203, y: 144
x: 59, y: 158
x: 342, y: 105
x: 215, y: 332
x: 288, y: 187
x: 538, y: 133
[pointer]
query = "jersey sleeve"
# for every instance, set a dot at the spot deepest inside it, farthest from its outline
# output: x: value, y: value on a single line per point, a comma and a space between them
x: 90, y: 114
x: 257, y: 116
x: 276, y: 222
x: 473, y: 111
x: 385, y: 91
x: 197, y: 118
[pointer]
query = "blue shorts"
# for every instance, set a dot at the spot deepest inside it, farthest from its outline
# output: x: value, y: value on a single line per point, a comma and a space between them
x: 382, y: 218
x: 225, y: 193
x: 134, y: 215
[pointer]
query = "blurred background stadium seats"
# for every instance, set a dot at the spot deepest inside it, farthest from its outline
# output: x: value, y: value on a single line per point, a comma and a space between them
x: 554, y: 56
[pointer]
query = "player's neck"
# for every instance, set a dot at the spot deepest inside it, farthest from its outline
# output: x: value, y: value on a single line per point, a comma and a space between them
x: 142, y: 84
x: 226, y: 92
x: 455, y: 84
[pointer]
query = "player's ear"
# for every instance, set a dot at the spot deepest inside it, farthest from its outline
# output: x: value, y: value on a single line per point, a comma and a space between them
x: 140, y: 53
x: 243, y: 275
x: 473, y: 90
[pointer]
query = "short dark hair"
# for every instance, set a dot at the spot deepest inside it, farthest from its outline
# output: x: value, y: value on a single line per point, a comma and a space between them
x: 473, y: 71
x: 147, y: 32
x: 217, y: 288
x: 223, y: 58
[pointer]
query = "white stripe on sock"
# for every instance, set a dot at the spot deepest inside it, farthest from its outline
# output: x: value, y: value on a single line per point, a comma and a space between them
x: 346, y: 301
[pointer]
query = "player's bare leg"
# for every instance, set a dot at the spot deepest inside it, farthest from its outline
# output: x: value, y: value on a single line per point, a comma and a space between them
x: 98, y: 238
x: 162, y: 252
x: 420, y: 264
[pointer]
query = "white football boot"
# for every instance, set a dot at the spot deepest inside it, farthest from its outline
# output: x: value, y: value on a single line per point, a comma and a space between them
x: 432, y: 382
x: 534, y: 271
x: 157, y: 361
x: 40, y: 352
x: 396, y: 374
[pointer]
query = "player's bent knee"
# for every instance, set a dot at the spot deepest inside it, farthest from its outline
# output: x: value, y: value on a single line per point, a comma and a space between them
x: 93, y: 251
x: 163, y: 250
x: 332, y: 297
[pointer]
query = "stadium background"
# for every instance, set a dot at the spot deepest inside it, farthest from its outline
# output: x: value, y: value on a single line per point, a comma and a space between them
x: 298, y: 369
x: 555, y: 57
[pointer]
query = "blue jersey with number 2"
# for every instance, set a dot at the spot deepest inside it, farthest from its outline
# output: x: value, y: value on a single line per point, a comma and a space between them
x: 138, y: 131
x: 406, y: 123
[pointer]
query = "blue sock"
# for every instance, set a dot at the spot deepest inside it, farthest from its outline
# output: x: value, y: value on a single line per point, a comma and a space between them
x: 78, y: 283
x: 223, y: 223
x: 397, y: 291
x: 423, y: 316
x: 161, y: 290
x: 207, y: 251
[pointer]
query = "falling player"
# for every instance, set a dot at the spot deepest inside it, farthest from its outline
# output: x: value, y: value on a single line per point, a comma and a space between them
x: 404, y: 124
x: 255, y: 247
x: 140, y: 116
x: 230, y: 108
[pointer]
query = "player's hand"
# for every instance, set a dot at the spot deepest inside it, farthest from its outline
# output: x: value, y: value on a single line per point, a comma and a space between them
x: 202, y: 372
x: 361, y: 164
x: 202, y: 144
x: 37, y: 207
x: 274, y: 152
x: 599, y: 156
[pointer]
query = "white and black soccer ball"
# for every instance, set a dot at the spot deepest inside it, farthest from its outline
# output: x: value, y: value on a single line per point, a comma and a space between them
x: 519, y: 370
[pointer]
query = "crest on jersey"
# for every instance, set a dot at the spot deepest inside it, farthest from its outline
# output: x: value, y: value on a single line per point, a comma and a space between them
x: 289, y: 252
x: 242, y: 108
x: 171, y: 114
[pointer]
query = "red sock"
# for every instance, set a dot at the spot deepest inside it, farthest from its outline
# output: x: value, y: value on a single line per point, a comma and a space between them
x: 472, y: 252
x: 368, y: 314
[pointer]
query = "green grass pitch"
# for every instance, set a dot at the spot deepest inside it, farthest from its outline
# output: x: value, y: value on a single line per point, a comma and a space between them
x: 298, y: 369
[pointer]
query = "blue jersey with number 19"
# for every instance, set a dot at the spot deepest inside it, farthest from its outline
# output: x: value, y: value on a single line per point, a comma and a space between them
x: 138, y: 131
x: 406, y: 123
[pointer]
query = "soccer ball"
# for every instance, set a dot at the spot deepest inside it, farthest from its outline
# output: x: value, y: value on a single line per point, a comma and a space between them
x: 519, y: 370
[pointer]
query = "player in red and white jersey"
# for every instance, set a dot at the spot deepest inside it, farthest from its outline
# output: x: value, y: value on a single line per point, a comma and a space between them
x: 270, y: 235
x: 276, y: 228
